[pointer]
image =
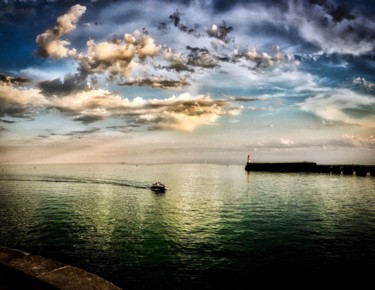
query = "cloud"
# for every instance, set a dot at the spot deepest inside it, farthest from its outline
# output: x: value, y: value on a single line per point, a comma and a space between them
x: 363, y: 83
x: 116, y: 57
x: 69, y: 84
x: 50, y: 44
x: 81, y: 133
x: 336, y: 124
x: 279, y: 143
x: 359, y: 141
x: 337, y: 13
x: 19, y: 102
x: 176, y: 19
x: 286, y: 142
x: 87, y: 119
x: 176, y: 61
x: 15, y: 13
x: 301, y: 24
x: 334, y: 29
x: 244, y: 99
x: 220, y: 32
x: 201, y: 57
x: 40, y: 74
x: 184, y: 112
x: 341, y: 105
x: 125, y: 57
x: 12, y: 80
x: 7, y: 121
x: 157, y: 82
x: 265, y: 60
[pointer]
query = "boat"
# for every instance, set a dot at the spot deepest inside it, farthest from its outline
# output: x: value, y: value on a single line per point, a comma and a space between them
x: 158, y: 187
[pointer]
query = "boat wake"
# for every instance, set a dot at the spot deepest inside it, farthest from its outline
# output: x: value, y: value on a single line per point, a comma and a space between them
x: 57, y: 179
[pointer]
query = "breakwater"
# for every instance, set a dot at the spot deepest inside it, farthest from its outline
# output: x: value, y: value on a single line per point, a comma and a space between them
x: 348, y: 169
x: 20, y: 270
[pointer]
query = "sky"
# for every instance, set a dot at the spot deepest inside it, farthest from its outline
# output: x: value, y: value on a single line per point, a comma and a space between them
x: 187, y: 81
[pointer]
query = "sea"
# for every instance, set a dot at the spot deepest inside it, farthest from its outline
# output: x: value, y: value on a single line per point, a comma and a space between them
x: 216, y: 226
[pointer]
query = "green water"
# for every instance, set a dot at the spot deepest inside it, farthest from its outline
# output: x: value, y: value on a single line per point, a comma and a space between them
x: 215, y: 227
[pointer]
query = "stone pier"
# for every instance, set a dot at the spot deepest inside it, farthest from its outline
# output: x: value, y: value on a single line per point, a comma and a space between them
x: 348, y: 169
x: 20, y: 270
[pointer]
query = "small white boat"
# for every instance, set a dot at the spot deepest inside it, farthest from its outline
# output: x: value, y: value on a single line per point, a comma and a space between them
x: 158, y: 187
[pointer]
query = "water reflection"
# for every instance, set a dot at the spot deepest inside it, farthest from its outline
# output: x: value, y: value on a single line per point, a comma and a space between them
x: 214, y: 222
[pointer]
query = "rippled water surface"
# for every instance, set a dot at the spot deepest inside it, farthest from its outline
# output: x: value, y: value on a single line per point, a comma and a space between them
x: 215, y: 227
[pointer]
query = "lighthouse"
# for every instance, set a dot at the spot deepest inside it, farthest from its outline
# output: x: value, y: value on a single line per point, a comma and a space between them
x: 248, y: 158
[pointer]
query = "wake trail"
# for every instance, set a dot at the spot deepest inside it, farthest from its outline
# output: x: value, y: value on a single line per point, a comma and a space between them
x: 54, y: 179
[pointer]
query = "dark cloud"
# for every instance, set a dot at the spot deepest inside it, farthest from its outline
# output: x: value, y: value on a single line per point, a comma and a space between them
x: 7, y: 121
x: 338, y: 13
x: 88, y: 119
x: 220, y: 6
x: 129, y: 126
x: 338, y: 27
x: 16, y: 111
x: 175, y: 17
x: 163, y: 27
x: 12, y: 80
x: 177, y: 62
x: 15, y: 12
x: 220, y: 31
x: 244, y: 99
x: 157, y: 83
x: 177, y: 66
x: 30, y: 6
x: 83, y: 132
x: 201, y: 57
x: 224, y: 5
x: 176, y: 20
x: 71, y: 83
x: 361, y: 111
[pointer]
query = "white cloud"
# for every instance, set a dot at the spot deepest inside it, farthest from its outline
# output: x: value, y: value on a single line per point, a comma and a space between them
x: 184, y: 112
x: 39, y: 74
x: 287, y: 142
x: 265, y: 60
x: 359, y: 141
x: 19, y: 102
x: 117, y: 57
x: 334, y: 106
x: 50, y: 43
x: 362, y: 82
x: 310, y: 21
x: 335, y: 36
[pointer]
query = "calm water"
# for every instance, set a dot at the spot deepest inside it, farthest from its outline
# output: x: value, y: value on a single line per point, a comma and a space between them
x: 216, y: 226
